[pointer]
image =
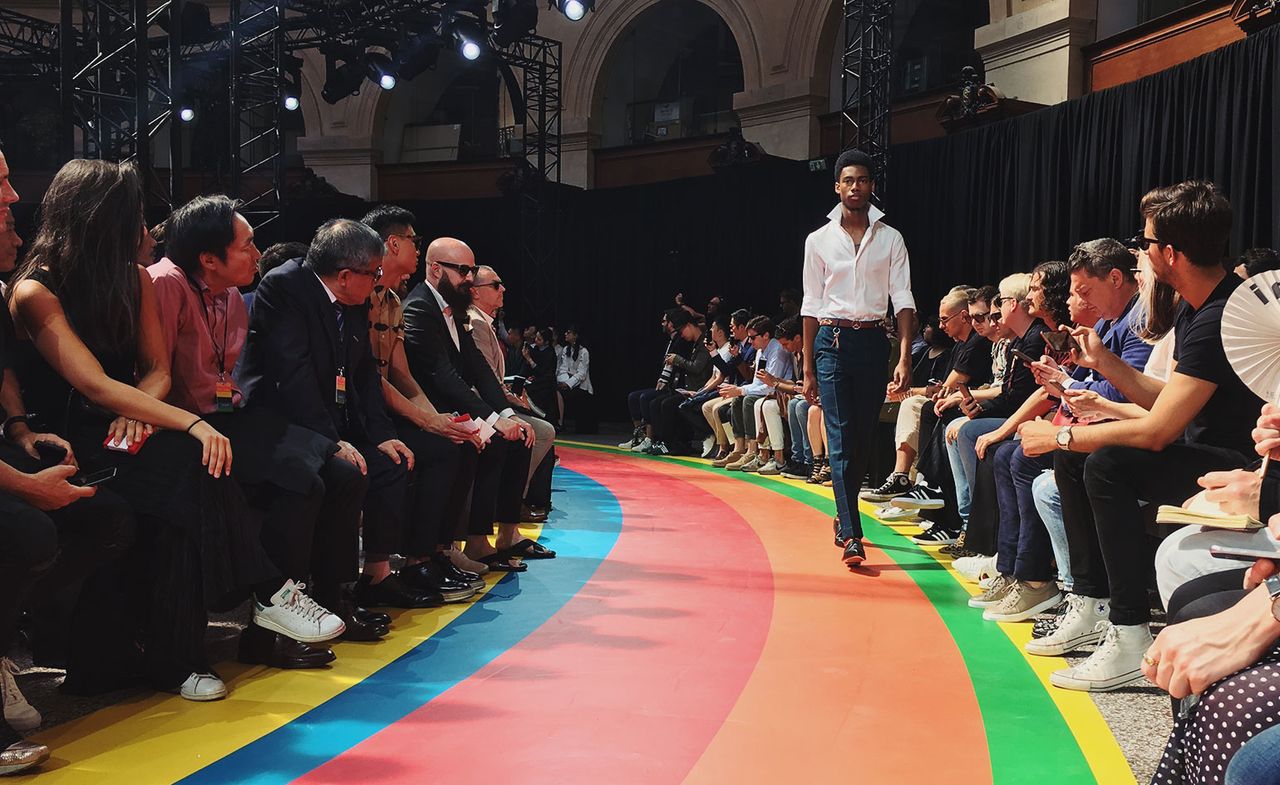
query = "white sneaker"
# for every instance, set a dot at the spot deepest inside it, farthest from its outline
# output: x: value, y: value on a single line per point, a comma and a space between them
x: 975, y: 568
x: 203, y: 687
x: 1024, y: 601
x: 897, y: 514
x: 707, y: 444
x: 643, y: 445
x: 17, y: 712
x: 632, y: 442
x: 1116, y: 662
x: 1083, y: 622
x: 1000, y: 586
x: 770, y: 468
x: 292, y: 613
x: 20, y: 756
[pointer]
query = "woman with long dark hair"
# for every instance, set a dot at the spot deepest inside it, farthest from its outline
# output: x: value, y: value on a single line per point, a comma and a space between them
x: 573, y: 377
x: 91, y: 359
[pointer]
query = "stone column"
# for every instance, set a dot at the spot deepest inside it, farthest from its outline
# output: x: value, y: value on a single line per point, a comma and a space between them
x: 1033, y: 48
x: 783, y: 118
x: 349, y: 163
x: 579, y: 139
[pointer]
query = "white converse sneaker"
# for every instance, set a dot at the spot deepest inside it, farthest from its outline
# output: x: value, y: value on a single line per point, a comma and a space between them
x: 17, y: 712
x: 1116, y: 663
x: 1083, y: 622
x: 975, y: 568
x: 203, y: 687
x: 643, y: 446
x: 1000, y: 585
x: 891, y: 514
x: 294, y: 614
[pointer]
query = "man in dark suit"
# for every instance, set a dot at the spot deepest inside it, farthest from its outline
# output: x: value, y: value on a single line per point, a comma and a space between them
x: 453, y: 373
x: 308, y: 358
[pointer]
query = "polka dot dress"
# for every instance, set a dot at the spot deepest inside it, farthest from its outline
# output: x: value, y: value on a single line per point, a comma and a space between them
x: 1230, y: 713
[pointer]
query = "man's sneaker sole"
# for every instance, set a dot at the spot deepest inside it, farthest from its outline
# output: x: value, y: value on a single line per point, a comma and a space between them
x: 917, y: 504
x: 932, y: 538
x: 990, y: 615
x: 1066, y: 681
x: 1038, y: 647
x: 267, y: 624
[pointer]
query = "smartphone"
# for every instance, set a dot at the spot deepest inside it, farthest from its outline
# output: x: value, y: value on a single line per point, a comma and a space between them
x: 50, y: 454
x: 1021, y: 355
x: 94, y: 478
x: 1055, y: 388
x: 963, y: 389
x: 1242, y: 554
x: 1060, y: 341
x: 124, y: 445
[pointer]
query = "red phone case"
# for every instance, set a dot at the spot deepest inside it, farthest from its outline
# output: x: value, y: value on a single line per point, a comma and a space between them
x: 132, y: 449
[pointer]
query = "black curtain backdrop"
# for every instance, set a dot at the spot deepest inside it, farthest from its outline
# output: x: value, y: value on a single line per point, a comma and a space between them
x: 973, y: 207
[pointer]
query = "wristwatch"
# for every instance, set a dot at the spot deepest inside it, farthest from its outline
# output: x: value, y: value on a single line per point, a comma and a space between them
x: 1064, y: 438
x: 1273, y: 589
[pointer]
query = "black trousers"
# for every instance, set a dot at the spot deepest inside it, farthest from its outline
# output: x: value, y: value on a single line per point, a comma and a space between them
x: 933, y: 463
x: 435, y: 472
x: 539, y: 491
x: 501, y: 473
x: 667, y: 427
x: 1101, y: 494
x: 384, y: 502
x: 581, y: 406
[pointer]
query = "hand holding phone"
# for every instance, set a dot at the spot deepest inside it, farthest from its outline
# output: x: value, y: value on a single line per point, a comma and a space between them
x: 1061, y: 341
x: 1021, y: 355
x: 965, y: 395
x: 93, y: 478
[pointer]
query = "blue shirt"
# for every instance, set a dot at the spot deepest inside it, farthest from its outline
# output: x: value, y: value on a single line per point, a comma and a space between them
x: 777, y: 361
x: 1119, y: 337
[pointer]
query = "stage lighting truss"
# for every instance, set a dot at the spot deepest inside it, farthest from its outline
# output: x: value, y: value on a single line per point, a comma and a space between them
x: 864, y: 82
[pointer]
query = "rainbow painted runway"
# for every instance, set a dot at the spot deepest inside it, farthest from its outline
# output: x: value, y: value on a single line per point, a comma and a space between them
x: 697, y: 627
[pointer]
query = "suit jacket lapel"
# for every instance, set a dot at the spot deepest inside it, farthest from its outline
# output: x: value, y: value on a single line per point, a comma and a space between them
x: 324, y: 309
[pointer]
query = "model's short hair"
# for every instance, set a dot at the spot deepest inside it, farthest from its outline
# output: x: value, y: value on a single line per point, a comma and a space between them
x: 206, y: 224
x: 1194, y: 217
x: 386, y: 218
x: 762, y: 325
x: 1097, y: 258
x: 853, y: 158
x: 344, y: 244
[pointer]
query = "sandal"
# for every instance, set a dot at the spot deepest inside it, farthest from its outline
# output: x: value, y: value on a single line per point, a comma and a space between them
x: 500, y: 562
x: 528, y: 549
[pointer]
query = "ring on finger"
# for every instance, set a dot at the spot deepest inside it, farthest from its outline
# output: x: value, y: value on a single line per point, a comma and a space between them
x: 1148, y: 660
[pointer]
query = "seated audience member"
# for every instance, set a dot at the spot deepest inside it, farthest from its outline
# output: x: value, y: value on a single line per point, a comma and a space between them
x: 771, y: 408
x: 540, y: 358
x: 776, y: 361
x: 487, y: 297
x: 307, y: 359
x: 1198, y: 422
x: 694, y: 372
x: 800, y: 465
x: 311, y: 500
x: 274, y: 256
x: 453, y: 373
x: 638, y: 400
x: 445, y: 454
x: 58, y: 537
x: 574, y: 382
x: 788, y: 304
x: 1256, y: 260
x: 91, y: 359
x: 742, y: 357
x: 699, y: 408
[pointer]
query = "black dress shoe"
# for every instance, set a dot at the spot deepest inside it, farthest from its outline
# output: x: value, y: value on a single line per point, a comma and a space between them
x: 854, y: 555
x: 393, y: 593
x: 362, y: 614
x: 358, y: 628
x: 460, y: 575
x: 259, y: 646
x: 430, y: 576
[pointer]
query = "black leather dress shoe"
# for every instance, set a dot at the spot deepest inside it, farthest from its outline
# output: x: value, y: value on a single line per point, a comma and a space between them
x: 460, y: 575
x: 358, y: 628
x: 264, y: 647
x: 430, y: 576
x: 854, y: 554
x: 362, y: 614
x: 391, y: 592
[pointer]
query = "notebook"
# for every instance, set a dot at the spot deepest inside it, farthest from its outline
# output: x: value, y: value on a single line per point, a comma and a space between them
x: 1201, y: 512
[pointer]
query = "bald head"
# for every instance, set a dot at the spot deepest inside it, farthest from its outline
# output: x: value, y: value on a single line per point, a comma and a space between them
x: 449, y: 249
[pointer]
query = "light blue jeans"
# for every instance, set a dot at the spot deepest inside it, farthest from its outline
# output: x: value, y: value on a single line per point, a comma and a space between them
x: 798, y: 422
x: 963, y: 455
x: 1258, y: 761
x: 1044, y: 490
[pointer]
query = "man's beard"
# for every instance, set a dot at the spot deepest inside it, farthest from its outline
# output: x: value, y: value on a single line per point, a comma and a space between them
x: 459, y: 299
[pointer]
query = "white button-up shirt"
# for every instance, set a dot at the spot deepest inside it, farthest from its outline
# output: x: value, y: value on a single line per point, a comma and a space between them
x: 448, y: 320
x: 841, y: 282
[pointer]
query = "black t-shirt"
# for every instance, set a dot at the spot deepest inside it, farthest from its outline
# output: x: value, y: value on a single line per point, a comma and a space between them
x: 1019, y: 382
x: 1228, y: 418
x: 924, y: 367
x: 972, y: 357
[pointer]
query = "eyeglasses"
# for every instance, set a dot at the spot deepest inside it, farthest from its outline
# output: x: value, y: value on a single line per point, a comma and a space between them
x: 419, y: 241
x: 995, y: 316
x: 942, y: 320
x: 752, y: 336
x: 462, y: 269
x: 1141, y: 242
x: 375, y: 273
x: 978, y: 318
x: 495, y: 284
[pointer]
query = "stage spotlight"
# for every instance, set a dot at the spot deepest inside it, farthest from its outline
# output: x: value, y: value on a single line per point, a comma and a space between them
x: 342, y: 80
x: 387, y: 82
x: 469, y: 49
x: 573, y: 9
x: 380, y: 70
x: 186, y: 114
x: 513, y: 20
x: 291, y: 103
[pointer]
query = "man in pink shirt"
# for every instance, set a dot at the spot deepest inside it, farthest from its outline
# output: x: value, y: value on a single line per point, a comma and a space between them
x: 311, y: 500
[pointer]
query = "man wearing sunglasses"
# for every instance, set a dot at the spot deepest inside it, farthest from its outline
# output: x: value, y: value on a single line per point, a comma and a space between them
x: 855, y: 266
x: 443, y: 358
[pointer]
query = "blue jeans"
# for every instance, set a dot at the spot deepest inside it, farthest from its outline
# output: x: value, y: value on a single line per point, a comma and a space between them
x: 798, y: 422
x: 1024, y: 548
x: 1258, y: 761
x: 964, y: 460
x: 1044, y: 490
x: 852, y: 375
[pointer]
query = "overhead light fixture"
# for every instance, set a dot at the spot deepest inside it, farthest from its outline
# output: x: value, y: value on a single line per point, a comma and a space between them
x: 469, y: 49
x: 342, y: 80
x: 573, y: 9
x: 186, y: 114
x: 380, y: 69
x: 513, y: 20
x: 292, y: 103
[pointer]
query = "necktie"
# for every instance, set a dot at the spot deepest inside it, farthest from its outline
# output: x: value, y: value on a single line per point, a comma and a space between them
x: 340, y: 313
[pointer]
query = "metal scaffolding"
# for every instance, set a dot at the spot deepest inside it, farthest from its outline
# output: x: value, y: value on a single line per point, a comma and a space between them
x: 864, y: 81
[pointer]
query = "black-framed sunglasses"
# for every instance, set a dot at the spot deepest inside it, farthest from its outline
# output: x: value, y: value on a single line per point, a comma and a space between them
x: 419, y: 241
x: 978, y: 318
x: 752, y: 336
x: 495, y: 284
x: 461, y: 269
x: 942, y: 320
x: 1140, y: 242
